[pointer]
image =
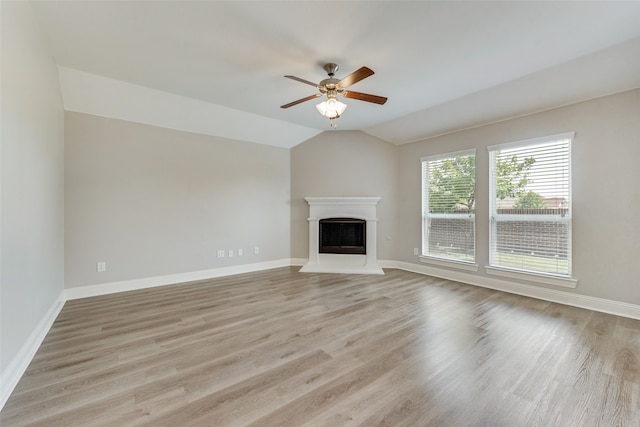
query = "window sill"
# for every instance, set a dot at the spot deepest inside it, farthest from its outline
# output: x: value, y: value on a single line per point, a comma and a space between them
x: 469, y: 266
x: 546, y: 279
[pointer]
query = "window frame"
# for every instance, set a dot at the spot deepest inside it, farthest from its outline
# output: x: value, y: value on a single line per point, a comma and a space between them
x: 552, y: 278
x: 426, y: 215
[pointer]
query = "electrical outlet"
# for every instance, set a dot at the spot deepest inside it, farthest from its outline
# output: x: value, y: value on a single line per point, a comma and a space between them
x: 415, y: 251
x: 239, y: 252
x: 221, y: 253
x: 256, y: 250
x: 101, y: 266
x: 230, y: 253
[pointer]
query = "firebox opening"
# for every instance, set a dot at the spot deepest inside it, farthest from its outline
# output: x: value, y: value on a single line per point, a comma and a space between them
x: 342, y: 236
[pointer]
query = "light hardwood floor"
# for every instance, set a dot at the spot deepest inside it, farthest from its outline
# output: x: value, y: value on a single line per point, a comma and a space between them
x: 284, y: 348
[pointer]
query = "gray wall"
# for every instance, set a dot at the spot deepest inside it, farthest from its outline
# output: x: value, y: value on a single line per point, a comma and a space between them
x: 606, y: 190
x: 343, y: 163
x: 32, y: 246
x: 151, y: 201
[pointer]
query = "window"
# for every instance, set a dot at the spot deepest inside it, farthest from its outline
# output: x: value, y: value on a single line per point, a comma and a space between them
x: 448, y: 206
x: 530, y: 205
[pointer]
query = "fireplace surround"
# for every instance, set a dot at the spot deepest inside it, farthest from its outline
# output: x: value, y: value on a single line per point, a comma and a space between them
x: 351, y: 208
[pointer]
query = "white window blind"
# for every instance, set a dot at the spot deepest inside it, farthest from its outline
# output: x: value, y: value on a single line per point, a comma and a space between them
x: 530, y: 203
x: 448, y: 206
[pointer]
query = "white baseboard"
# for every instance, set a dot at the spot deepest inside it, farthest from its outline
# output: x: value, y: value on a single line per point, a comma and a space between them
x: 385, y: 263
x: 553, y: 295
x: 15, y: 369
x: 170, y: 279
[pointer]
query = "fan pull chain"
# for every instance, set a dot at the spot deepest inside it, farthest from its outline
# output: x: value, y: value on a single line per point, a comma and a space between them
x: 332, y: 123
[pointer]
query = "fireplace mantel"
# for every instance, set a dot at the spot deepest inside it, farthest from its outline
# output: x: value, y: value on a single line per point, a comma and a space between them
x: 342, y: 207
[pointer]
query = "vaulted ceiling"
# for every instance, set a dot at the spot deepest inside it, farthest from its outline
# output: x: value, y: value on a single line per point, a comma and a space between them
x: 443, y: 65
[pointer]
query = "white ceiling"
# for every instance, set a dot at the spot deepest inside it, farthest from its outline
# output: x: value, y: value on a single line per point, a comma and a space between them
x: 443, y: 65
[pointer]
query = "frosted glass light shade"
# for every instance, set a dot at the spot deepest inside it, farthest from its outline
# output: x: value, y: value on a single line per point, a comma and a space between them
x: 331, y: 108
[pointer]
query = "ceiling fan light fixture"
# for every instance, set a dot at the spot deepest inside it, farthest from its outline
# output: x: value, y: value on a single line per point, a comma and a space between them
x: 331, y: 108
x: 331, y: 87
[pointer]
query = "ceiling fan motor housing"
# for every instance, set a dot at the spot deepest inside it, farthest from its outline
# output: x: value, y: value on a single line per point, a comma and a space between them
x: 328, y: 85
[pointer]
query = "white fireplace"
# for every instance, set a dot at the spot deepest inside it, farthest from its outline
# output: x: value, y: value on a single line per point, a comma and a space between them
x: 363, y: 208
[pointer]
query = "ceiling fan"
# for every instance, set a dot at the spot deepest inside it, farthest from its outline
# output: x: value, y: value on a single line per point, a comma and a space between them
x: 332, y: 108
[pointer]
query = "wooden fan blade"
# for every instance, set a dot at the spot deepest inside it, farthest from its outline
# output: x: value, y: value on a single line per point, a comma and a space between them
x: 299, y: 101
x: 365, y: 97
x: 302, y: 81
x: 355, y: 77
